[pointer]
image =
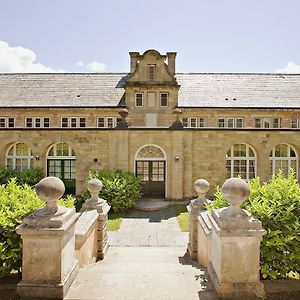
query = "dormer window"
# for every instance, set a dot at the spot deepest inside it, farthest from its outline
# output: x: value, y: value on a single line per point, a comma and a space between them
x: 139, y: 99
x: 151, y: 71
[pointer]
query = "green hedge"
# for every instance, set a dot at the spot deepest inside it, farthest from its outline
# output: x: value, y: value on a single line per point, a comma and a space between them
x: 16, y: 201
x: 30, y: 176
x: 277, y: 205
x: 120, y: 189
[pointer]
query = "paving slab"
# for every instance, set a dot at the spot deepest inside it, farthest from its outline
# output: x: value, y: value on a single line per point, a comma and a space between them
x: 128, y: 273
x: 149, y: 228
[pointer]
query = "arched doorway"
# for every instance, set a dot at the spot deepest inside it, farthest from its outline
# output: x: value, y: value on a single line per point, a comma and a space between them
x: 150, y: 166
x: 61, y: 163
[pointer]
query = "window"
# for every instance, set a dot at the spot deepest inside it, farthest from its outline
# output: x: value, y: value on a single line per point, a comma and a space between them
x: 19, y: 157
x: 230, y: 123
x: 64, y: 122
x: 295, y: 123
x: 2, y: 122
x: 81, y: 122
x: 193, y: 122
x: 11, y: 122
x: 108, y: 122
x: 139, y: 99
x: 276, y: 123
x: 73, y: 122
x: 221, y: 123
x: 283, y: 157
x: 241, y: 161
x: 239, y: 122
x: 267, y: 123
x: 164, y: 99
x: 151, y: 71
x: 37, y: 122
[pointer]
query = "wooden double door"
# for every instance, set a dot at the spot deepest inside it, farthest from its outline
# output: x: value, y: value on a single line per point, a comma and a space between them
x: 153, y: 177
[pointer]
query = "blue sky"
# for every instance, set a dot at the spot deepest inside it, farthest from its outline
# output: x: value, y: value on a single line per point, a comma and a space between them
x: 96, y: 35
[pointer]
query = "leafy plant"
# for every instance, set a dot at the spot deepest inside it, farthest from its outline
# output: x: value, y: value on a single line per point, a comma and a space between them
x: 16, y: 201
x: 277, y: 205
x: 120, y: 189
x: 29, y: 176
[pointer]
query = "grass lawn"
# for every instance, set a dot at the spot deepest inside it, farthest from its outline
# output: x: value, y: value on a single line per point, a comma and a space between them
x: 114, y: 221
x: 182, y: 217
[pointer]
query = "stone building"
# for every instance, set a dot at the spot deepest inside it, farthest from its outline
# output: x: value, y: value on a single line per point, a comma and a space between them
x: 180, y: 126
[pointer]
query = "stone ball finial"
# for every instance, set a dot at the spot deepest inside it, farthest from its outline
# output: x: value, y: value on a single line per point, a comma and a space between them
x: 49, y: 189
x: 94, y: 186
x: 201, y: 187
x: 123, y: 113
x: 236, y: 191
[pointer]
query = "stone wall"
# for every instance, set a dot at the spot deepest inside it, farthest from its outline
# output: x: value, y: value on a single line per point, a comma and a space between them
x: 201, y: 152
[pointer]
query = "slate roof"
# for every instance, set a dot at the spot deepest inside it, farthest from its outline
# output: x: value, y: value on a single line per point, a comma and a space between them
x: 242, y: 90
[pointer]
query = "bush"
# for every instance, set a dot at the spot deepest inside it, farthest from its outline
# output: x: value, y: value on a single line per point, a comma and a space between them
x: 30, y: 176
x: 16, y: 202
x: 120, y: 189
x: 277, y: 205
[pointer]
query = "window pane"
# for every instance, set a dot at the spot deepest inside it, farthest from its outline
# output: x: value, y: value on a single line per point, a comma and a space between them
x: 2, y: 122
x: 28, y: 122
x: 230, y: 123
x: 257, y: 123
x: 64, y: 122
x: 82, y: 122
x: 221, y: 123
x: 46, y: 122
x: 101, y: 122
x: 73, y: 122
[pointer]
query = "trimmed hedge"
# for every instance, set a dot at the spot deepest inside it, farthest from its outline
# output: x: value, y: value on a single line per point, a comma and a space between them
x: 277, y: 205
x: 16, y: 201
x: 120, y: 189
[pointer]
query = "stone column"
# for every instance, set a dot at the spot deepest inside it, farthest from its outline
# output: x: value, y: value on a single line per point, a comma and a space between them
x: 94, y: 187
x: 235, y: 246
x: 49, y: 265
x: 194, y: 208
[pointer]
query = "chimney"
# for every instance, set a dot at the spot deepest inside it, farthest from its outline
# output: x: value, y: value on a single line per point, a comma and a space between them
x: 134, y: 56
x: 171, y: 62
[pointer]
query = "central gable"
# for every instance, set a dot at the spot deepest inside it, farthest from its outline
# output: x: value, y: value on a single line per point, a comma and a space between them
x: 150, y: 68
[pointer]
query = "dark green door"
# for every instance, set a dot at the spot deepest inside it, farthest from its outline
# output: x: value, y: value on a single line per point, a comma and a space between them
x: 153, y: 177
x: 65, y: 169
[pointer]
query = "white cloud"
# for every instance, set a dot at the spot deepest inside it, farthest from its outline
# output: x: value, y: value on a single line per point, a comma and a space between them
x: 93, y: 66
x: 20, y: 60
x: 290, y: 68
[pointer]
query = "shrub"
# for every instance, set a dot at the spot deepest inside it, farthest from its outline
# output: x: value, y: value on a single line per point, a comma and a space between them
x: 30, y: 176
x: 120, y: 189
x: 16, y: 201
x: 277, y: 205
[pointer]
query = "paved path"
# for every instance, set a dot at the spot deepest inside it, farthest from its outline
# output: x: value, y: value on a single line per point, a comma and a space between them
x: 142, y: 273
x: 156, y: 228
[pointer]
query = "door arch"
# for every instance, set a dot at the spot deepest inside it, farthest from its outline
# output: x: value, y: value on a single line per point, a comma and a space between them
x: 61, y: 163
x: 150, y: 166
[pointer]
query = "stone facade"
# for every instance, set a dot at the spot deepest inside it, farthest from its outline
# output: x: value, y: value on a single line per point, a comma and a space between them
x: 190, y: 153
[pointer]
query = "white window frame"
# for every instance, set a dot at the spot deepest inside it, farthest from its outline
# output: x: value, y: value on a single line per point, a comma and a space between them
x: 114, y: 120
x: 160, y: 99
x: 189, y: 122
x: 55, y: 156
x: 248, y: 158
x: 8, y: 122
x: 279, y: 122
x: 135, y: 99
x: 14, y: 157
x: 287, y: 158
x: 34, y: 122
x: 236, y: 122
x: 5, y: 122
x: 70, y: 122
x: 297, y: 122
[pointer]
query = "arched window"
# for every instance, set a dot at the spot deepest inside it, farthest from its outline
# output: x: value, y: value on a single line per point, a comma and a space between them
x: 241, y: 161
x: 150, y: 152
x: 283, y: 157
x: 19, y: 157
x: 61, y: 150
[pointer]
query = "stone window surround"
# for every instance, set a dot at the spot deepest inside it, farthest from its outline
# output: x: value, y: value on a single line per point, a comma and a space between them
x: 196, y: 120
x: 15, y: 157
x: 6, y: 121
x: 295, y: 123
x: 42, y: 122
x: 291, y: 160
x: 160, y: 99
x: 247, y: 158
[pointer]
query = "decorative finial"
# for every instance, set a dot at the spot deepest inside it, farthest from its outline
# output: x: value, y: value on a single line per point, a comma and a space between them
x: 177, y: 124
x: 201, y: 187
x: 50, y: 189
x: 123, y: 123
x: 236, y: 191
x: 94, y: 186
